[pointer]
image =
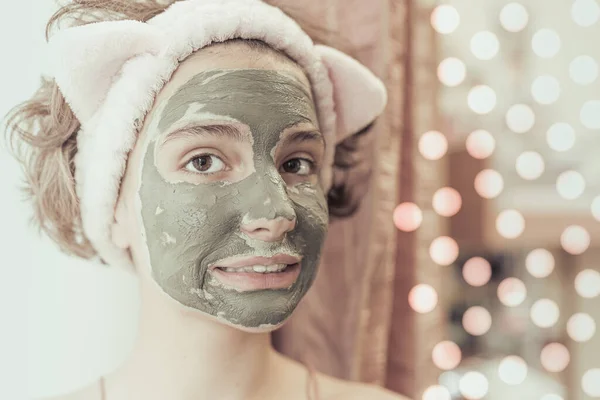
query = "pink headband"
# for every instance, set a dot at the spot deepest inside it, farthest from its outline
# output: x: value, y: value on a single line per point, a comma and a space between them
x: 110, y: 72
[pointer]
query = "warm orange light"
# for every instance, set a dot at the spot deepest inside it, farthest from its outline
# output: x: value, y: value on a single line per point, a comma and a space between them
x: 422, y: 298
x: 477, y: 321
x: 446, y: 355
x: 443, y: 250
x: 477, y: 271
x: 407, y: 217
x: 447, y: 201
x: 555, y: 357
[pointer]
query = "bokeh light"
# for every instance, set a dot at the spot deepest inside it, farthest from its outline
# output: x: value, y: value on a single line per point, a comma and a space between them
x: 544, y: 313
x: 452, y: 72
x: 514, y: 17
x: 477, y: 321
x: 510, y: 224
x: 587, y: 283
x: 585, y: 12
x: 481, y: 99
x: 590, y: 382
x: 555, y: 357
x: 445, y: 19
x: 570, y: 185
x: 447, y: 201
x: 436, y: 392
x: 473, y: 385
x: 512, y: 370
x: 512, y: 292
x: 477, y: 271
x: 583, y: 70
x: 520, y: 118
x: 581, y: 327
x: 530, y: 165
x: 433, y: 145
x: 484, y: 45
x: 539, y: 263
x: 545, y: 43
x: 407, y: 217
x: 489, y: 183
x: 560, y: 136
x: 443, y: 250
x: 446, y: 355
x: 422, y: 298
x: 575, y: 239
x: 545, y: 89
x: 596, y: 208
x: 480, y: 144
x: 590, y: 114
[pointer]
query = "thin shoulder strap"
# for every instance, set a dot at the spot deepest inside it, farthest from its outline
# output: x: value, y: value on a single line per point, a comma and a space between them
x: 102, y: 388
x: 312, y: 386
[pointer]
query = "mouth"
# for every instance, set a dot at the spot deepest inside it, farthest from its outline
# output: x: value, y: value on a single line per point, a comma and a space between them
x: 257, y: 273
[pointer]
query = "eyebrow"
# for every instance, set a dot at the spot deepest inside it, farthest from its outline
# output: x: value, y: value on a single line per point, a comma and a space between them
x: 195, y: 130
x: 305, y: 136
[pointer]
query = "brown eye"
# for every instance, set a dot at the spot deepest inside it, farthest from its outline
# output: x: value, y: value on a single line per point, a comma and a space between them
x: 298, y: 166
x: 205, y: 163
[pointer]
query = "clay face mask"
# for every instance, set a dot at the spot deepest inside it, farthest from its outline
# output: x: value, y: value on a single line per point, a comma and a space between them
x: 259, y: 201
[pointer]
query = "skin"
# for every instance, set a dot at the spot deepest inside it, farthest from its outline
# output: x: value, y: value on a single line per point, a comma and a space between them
x: 187, y: 351
x: 263, y: 174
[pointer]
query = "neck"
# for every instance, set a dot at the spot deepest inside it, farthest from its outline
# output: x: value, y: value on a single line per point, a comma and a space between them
x: 182, y: 355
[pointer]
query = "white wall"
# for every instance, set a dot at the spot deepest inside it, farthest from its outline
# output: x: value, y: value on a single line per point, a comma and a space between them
x: 59, y: 314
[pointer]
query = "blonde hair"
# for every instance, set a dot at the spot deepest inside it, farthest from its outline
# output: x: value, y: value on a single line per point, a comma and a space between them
x: 42, y: 131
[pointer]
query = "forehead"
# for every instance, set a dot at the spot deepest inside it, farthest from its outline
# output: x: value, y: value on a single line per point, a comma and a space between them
x: 262, y: 99
x: 235, y: 55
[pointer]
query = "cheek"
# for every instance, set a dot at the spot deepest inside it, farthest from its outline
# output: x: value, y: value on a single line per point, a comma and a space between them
x: 311, y: 205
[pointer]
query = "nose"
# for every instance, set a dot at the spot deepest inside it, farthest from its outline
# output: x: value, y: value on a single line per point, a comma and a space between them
x: 271, y: 214
x: 268, y: 230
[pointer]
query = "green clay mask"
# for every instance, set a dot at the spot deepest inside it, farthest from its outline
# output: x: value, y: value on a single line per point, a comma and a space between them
x: 191, y: 222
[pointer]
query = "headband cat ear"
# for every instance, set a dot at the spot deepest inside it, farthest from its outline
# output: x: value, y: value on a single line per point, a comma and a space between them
x: 359, y: 96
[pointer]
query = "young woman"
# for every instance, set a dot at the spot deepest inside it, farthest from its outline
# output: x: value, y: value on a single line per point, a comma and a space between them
x: 195, y: 145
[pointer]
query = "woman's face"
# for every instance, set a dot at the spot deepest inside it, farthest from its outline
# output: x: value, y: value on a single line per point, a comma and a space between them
x: 222, y: 187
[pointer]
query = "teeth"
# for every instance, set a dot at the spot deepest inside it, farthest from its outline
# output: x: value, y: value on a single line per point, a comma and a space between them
x: 261, y: 269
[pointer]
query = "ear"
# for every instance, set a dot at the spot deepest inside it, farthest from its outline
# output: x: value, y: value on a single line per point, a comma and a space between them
x: 359, y: 96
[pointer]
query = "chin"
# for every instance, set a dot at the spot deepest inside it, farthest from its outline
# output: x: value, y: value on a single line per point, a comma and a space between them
x: 262, y: 328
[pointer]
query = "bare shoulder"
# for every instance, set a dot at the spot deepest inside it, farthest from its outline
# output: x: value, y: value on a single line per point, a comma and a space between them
x: 90, y: 392
x: 363, y: 391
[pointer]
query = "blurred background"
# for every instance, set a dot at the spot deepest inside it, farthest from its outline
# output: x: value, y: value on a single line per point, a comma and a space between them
x: 512, y: 145
x: 472, y: 269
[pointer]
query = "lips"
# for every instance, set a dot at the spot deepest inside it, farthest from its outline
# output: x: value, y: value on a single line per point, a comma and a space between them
x: 257, y: 272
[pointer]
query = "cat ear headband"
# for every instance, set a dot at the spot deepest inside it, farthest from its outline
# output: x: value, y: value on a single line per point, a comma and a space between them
x: 110, y: 72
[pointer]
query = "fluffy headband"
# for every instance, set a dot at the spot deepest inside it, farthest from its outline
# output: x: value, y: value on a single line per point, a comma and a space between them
x: 110, y: 72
